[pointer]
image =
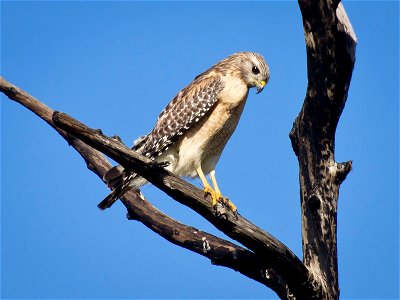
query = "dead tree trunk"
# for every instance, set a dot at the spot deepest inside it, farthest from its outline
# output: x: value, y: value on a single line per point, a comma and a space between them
x: 330, y: 43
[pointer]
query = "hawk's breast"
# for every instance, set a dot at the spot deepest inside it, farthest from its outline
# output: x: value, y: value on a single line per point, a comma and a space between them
x: 203, y: 143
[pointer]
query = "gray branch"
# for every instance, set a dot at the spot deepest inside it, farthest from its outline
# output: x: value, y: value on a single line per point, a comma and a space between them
x: 330, y: 43
x: 267, y: 247
x: 221, y: 252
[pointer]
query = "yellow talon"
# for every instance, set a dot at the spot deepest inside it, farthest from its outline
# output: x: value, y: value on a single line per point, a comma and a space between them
x: 209, y: 191
x: 231, y: 205
x: 216, y: 197
x: 215, y: 193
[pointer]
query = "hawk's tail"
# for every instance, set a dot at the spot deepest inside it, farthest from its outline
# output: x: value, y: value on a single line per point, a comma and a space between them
x: 119, y: 181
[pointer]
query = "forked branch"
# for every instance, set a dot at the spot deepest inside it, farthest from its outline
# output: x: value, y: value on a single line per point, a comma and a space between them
x: 330, y: 42
x: 277, y: 267
x: 268, y: 248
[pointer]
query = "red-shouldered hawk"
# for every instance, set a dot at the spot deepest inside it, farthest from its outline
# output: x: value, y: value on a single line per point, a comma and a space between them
x: 193, y: 129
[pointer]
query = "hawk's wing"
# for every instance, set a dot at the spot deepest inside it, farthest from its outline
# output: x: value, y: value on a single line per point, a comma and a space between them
x: 186, y: 109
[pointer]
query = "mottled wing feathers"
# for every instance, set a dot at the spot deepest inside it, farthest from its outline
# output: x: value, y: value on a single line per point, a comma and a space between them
x: 186, y: 109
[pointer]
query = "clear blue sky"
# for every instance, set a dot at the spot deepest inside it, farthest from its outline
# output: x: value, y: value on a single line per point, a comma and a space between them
x: 114, y: 66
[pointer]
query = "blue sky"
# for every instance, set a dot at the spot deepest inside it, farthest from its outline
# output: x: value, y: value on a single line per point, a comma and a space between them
x: 115, y: 66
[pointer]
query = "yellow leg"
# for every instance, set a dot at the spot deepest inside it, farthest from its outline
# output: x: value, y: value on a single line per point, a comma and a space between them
x: 214, y: 193
x: 215, y: 184
x: 207, y: 187
x: 218, y: 193
x: 202, y: 177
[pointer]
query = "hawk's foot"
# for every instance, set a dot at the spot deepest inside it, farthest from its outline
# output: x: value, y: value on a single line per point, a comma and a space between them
x: 217, y: 197
x: 230, y: 204
x: 214, y: 196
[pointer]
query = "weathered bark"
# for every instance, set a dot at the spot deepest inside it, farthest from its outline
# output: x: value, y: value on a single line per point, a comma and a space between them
x: 330, y: 43
x: 268, y: 261
x: 268, y: 248
x: 218, y: 250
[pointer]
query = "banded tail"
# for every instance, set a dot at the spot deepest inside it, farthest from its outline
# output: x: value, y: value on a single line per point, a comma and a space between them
x: 119, y: 181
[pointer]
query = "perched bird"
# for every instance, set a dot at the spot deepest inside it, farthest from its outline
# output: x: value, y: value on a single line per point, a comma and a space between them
x: 193, y: 129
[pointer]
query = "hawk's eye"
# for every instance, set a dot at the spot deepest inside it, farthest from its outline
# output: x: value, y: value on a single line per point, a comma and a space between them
x: 255, y: 70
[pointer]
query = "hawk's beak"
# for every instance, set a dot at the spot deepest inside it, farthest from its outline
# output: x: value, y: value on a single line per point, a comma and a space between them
x: 260, y: 86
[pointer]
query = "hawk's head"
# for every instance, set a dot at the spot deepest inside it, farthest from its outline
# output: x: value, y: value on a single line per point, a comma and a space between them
x: 254, y: 69
x: 250, y: 66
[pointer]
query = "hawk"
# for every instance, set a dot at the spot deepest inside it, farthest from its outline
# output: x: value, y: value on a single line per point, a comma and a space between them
x: 193, y: 129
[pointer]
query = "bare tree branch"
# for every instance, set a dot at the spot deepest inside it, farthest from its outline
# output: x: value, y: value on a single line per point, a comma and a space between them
x: 219, y: 251
x: 331, y: 43
x: 254, y: 238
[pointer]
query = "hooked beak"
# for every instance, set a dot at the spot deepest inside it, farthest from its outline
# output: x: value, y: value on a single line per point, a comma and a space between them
x: 260, y: 86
